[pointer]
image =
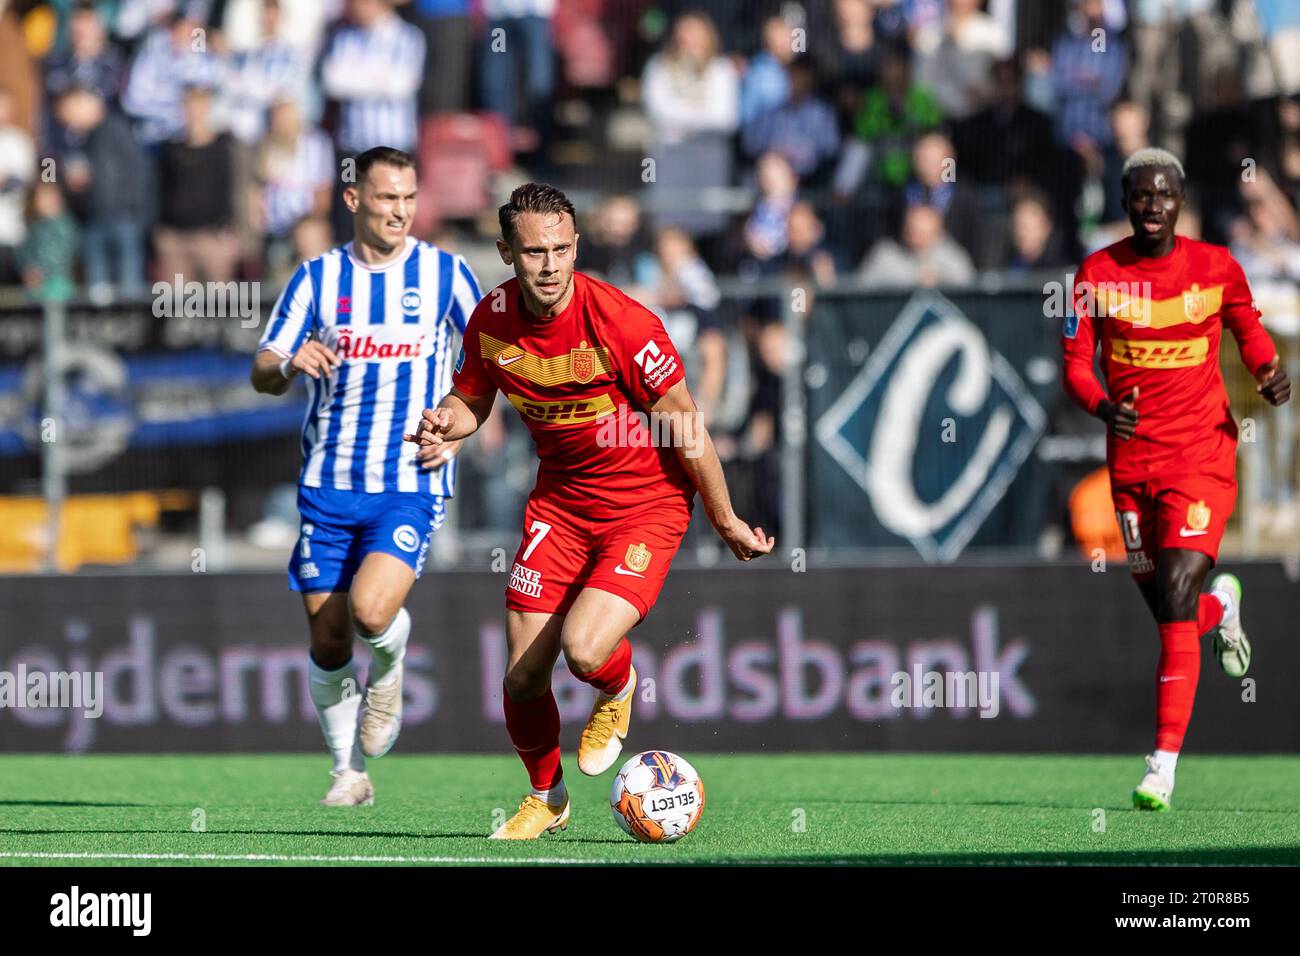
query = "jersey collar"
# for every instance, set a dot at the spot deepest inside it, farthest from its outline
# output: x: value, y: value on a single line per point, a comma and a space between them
x: 410, y: 245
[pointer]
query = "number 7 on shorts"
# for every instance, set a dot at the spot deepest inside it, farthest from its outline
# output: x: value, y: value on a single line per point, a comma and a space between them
x: 538, y: 526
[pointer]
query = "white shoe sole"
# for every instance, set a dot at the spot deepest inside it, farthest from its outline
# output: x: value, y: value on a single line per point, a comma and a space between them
x: 1234, y: 659
x: 606, y: 760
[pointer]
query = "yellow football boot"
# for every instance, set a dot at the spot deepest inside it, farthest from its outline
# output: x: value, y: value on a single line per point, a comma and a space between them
x: 534, y: 818
x: 602, y: 738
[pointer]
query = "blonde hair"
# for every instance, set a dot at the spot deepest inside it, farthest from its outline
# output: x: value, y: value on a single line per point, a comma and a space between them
x: 1148, y: 157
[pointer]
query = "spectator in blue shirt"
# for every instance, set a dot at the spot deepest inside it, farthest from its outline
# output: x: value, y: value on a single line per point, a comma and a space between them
x: 803, y: 129
x: 1088, y: 70
x: 89, y: 60
x: 518, y: 41
x: 447, y: 38
x: 765, y: 85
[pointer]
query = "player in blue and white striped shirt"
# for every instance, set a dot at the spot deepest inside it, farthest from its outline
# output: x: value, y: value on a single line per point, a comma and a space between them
x: 372, y: 325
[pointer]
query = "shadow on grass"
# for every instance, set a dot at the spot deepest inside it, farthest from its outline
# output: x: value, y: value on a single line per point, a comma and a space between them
x: 74, y: 803
x: 348, y: 834
x: 1120, y: 806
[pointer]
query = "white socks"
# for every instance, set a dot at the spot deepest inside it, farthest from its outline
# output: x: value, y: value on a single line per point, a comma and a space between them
x: 337, y: 695
x: 1166, y: 760
x: 338, y: 698
x: 627, y: 689
x: 555, y: 796
x: 388, y: 649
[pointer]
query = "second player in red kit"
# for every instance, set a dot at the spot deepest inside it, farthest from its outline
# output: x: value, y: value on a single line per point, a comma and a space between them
x: 621, y: 457
x: 1157, y: 304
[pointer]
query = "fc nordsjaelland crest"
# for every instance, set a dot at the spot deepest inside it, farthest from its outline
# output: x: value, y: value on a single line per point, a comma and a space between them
x: 1195, y: 305
x: 582, y: 363
x: 637, y: 558
x: 1198, y: 516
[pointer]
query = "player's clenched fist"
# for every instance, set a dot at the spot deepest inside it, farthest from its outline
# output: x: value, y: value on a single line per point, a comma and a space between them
x: 745, y: 543
x: 313, y: 359
x: 1122, y: 417
x: 434, y: 424
x: 1273, y: 383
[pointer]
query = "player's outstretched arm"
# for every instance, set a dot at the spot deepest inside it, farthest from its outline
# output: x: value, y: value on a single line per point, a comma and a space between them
x: 695, y: 449
x: 272, y: 372
x: 457, y: 417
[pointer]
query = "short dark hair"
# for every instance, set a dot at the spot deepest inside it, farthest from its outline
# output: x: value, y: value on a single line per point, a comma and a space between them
x: 532, y: 197
x: 387, y: 155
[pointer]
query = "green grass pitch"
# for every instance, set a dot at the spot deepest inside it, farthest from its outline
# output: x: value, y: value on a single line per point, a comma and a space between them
x: 819, y: 808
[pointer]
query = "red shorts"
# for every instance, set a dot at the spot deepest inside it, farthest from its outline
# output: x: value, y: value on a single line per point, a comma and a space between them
x: 562, y: 553
x: 1189, y: 513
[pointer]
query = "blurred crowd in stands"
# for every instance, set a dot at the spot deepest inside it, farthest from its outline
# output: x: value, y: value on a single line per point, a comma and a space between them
x: 708, y: 143
x: 902, y: 141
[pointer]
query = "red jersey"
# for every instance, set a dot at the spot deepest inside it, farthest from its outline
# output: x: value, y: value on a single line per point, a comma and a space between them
x: 582, y: 380
x: 1159, y: 323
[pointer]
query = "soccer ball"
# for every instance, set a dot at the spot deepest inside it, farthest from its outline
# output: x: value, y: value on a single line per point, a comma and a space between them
x: 657, y: 797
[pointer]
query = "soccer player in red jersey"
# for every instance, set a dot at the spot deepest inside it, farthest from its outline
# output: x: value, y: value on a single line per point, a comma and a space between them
x: 1157, y: 304
x: 582, y: 363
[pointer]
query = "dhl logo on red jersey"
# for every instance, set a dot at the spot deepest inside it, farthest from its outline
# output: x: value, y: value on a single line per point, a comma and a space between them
x: 580, y: 365
x: 1159, y: 353
x: 562, y: 413
x: 1193, y: 306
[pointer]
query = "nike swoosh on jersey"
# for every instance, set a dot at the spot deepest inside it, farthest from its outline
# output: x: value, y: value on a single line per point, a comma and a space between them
x: 1188, y: 533
x: 1165, y: 680
x: 542, y: 370
x: 1192, y: 306
x: 622, y: 570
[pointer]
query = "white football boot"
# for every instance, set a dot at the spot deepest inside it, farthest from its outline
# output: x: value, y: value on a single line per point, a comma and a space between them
x: 351, y: 788
x: 1230, y: 644
x: 381, y: 716
x: 1156, y: 789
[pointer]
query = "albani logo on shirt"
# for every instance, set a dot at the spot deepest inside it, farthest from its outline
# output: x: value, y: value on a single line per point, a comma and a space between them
x: 351, y: 345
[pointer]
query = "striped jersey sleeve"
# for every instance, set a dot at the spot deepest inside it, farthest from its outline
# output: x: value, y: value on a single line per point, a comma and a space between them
x: 294, y: 315
x: 465, y: 295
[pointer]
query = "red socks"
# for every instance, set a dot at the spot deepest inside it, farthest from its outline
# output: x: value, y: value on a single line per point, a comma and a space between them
x: 1208, y: 613
x: 611, y: 677
x: 534, y: 728
x: 1176, y: 677
x: 534, y: 725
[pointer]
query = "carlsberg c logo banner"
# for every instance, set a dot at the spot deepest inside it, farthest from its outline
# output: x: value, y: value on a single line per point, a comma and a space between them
x: 931, y: 429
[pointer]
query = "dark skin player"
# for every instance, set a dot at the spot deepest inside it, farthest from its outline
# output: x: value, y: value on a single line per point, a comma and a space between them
x: 1153, y: 198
